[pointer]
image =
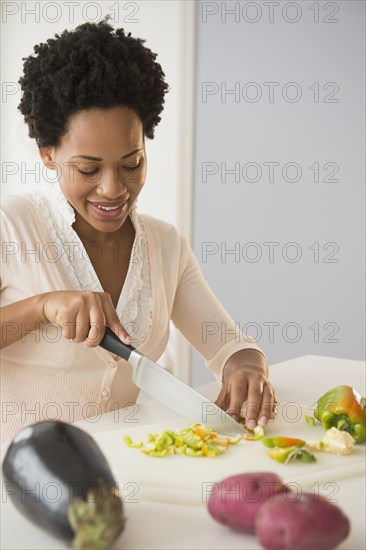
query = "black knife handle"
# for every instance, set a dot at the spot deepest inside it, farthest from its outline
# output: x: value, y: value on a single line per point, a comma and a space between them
x: 112, y: 343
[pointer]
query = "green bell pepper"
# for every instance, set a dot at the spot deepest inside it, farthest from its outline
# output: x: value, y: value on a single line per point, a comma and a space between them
x: 343, y: 408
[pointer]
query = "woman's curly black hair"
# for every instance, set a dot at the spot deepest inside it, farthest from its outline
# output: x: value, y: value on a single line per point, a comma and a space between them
x: 93, y: 65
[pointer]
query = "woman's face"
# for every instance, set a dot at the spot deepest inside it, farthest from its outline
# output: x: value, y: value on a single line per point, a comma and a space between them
x: 101, y: 166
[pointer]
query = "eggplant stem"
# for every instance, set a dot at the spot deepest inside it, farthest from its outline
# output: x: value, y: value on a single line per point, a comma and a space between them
x: 98, y: 520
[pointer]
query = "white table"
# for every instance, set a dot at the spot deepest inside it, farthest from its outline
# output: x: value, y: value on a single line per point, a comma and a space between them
x: 158, y: 525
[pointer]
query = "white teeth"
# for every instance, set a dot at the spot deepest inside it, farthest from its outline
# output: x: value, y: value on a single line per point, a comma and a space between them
x: 109, y: 207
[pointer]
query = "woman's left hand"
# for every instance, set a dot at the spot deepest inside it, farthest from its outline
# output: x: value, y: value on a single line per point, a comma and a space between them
x: 245, y: 379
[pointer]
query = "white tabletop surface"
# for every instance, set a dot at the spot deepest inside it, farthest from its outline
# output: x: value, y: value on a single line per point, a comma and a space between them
x: 157, y: 525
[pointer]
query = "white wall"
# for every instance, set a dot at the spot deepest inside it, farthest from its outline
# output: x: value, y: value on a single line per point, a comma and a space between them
x: 315, y: 305
x: 168, y: 28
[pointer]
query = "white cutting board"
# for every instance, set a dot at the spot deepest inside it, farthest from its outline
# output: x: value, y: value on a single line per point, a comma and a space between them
x: 159, y: 492
x: 186, y: 480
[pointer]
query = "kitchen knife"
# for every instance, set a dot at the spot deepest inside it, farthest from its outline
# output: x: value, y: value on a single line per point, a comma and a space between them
x: 171, y: 391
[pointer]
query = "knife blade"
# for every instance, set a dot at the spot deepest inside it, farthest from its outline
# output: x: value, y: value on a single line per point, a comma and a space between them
x: 170, y: 390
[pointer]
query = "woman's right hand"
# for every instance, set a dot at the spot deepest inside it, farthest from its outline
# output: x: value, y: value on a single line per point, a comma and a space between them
x: 83, y: 315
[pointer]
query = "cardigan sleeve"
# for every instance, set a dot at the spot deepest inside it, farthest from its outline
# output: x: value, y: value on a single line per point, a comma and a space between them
x: 9, y: 238
x: 17, y: 239
x: 202, y: 319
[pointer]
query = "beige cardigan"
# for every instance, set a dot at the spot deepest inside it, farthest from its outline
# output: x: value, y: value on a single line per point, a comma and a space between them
x: 45, y: 376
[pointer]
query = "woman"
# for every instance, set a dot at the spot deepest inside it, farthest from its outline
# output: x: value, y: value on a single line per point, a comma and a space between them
x: 78, y: 256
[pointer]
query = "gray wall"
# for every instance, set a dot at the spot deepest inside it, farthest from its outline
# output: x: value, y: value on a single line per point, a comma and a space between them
x: 304, y: 293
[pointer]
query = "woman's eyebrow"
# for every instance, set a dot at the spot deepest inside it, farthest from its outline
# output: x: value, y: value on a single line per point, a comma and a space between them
x: 97, y: 158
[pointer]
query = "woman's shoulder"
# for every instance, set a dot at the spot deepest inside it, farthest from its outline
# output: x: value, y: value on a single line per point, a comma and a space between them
x: 165, y: 240
x: 22, y: 201
x: 164, y: 236
x: 16, y: 208
x: 160, y: 228
x: 18, y: 211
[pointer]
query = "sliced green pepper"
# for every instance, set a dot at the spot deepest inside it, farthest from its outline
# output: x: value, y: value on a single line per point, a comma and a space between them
x: 279, y: 454
x: 286, y: 454
x: 180, y: 450
x: 310, y: 420
x: 191, y: 452
x: 282, y: 442
x: 163, y: 441
x: 257, y: 434
x: 130, y: 443
x: 305, y: 456
x: 343, y: 408
x: 235, y: 440
x: 164, y: 452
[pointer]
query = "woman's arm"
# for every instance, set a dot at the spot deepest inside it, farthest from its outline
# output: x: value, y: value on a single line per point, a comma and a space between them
x: 231, y: 355
x: 19, y: 319
x: 247, y: 357
x: 82, y: 315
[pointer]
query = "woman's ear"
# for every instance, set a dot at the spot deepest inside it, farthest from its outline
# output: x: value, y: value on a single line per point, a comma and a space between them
x: 47, y: 154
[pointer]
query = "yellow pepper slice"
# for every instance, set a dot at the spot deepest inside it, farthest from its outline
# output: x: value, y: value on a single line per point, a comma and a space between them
x: 130, y: 443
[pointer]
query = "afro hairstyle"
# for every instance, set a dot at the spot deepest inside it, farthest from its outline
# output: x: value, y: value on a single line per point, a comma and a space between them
x: 93, y: 65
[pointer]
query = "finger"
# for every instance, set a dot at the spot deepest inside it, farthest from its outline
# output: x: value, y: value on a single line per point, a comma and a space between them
x: 96, y: 328
x: 112, y: 319
x: 82, y: 325
x: 69, y: 330
x: 65, y: 319
x: 254, y: 404
x: 267, y: 405
x: 237, y: 395
x: 221, y: 400
x: 274, y: 408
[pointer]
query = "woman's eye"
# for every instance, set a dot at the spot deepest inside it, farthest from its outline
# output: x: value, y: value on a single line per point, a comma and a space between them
x: 132, y: 167
x: 88, y: 173
x: 96, y: 170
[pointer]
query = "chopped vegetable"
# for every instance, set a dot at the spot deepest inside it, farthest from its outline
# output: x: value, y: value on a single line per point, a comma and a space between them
x: 195, y: 441
x: 286, y: 454
x: 304, y: 456
x: 257, y: 434
x: 282, y: 442
x: 285, y: 449
x: 129, y: 442
x: 251, y: 435
x: 310, y: 420
x: 343, y: 408
x: 335, y: 441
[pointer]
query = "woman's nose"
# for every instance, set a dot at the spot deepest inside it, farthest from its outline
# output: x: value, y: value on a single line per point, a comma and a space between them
x: 111, y: 184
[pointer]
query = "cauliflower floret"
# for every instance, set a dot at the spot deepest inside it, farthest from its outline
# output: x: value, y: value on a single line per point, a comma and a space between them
x: 335, y: 441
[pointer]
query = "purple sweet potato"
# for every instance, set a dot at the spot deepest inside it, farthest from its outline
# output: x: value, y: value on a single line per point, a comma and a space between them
x: 235, y: 500
x: 305, y: 522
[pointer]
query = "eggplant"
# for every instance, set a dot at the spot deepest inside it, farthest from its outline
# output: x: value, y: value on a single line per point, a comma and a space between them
x: 58, y: 478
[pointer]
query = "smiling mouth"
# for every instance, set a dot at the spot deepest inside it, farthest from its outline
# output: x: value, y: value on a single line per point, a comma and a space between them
x: 109, y: 208
x: 106, y: 210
